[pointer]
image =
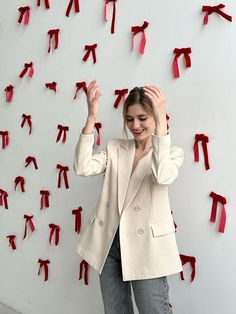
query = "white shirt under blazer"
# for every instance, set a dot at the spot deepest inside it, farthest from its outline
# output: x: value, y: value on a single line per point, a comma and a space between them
x: 138, y: 203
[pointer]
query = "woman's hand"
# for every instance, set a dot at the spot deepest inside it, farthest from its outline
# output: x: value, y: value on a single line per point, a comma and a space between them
x: 158, y: 101
x: 93, y: 99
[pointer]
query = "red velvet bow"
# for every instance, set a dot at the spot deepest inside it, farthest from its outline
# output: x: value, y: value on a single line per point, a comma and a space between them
x: 54, y: 229
x: 204, y: 139
x: 98, y: 126
x: 24, y: 13
x: 3, y: 198
x: 76, y: 6
x: 63, y: 170
x: 28, y: 220
x: 9, y: 93
x: 5, y: 138
x: 135, y: 30
x: 90, y: 48
x: 11, y: 239
x: 216, y: 9
x: 30, y: 159
x: 44, y: 202
x: 113, y: 14
x: 77, y: 213
x: 44, y: 263
x: 178, y: 52
x: 27, y: 66
x: 192, y: 261
x: 53, y: 33
x: 46, y: 3
x: 26, y: 118
x: 80, y: 85
x: 121, y: 94
x: 52, y: 86
x: 84, y: 265
x: 62, y: 129
x: 20, y: 180
x: 218, y: 198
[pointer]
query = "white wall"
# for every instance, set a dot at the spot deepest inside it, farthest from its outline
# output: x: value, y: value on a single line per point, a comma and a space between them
x: 202, y: 100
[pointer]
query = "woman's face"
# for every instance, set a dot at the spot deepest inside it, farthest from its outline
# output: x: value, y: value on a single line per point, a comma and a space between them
x: 140, y: 123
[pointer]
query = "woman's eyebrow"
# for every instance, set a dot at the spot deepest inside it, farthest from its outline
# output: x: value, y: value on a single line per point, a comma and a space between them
x: 139, y: 115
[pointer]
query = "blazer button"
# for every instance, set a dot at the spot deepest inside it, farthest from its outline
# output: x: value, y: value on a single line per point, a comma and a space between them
x: 137, y: 208
x: 100, y: 223
x: 108, y: 203
x: 140, y: 231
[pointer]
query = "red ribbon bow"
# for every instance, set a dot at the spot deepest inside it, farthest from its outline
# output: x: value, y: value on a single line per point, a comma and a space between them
x: 20, y: 180
x: 53, y: 33
x: 178, y: 52
x: 3, y: 198
x: 76, y: 7
x: 30, y: 159
x: 11, y: 239
x: 62, y: 129
x: 218, y: 198
x: 113, y: 14
x: 90, y: 48
x: 27, y: 66
x: 26, y: 118
x: 43, y: 263
x: 121, y: 94
x: 46, y: 3
x: 5, y: 138
x: 44, y: 202
x: 28, y: 220
x: 54, y: 229
x: 84, y: 265
x: 77, y: 213
x: 135, y: 30
x: 80, y: 85
x: 63, y: 169
x: 52, y: 86
x: 216, y: 9
x: 204, y: 139
x: 98, y: 126
x: 24, y: 13
x: 192, y: 261
x: 9, y: 93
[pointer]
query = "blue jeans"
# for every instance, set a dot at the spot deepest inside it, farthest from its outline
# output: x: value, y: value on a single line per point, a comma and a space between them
x: 151, y: 295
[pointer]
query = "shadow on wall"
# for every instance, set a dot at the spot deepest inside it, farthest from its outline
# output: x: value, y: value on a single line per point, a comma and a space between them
x: 4, y: 309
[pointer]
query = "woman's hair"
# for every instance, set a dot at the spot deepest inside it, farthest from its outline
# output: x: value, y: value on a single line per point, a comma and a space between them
x: 136, y: 96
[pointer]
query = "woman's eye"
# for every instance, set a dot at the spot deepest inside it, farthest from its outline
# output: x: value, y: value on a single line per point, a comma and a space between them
x: 128, y: 120
x: 143, y: 119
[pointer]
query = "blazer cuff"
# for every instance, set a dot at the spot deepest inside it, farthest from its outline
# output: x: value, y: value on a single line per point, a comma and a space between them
x: 165, y: 139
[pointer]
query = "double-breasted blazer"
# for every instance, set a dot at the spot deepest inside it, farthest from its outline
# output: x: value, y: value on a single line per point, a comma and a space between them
x: 137, y: 203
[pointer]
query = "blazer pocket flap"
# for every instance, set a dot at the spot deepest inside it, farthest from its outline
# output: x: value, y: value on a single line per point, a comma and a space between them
x: 162, y: 228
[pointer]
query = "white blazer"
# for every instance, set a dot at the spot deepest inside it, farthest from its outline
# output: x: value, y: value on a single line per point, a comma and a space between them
x: 138, y: 203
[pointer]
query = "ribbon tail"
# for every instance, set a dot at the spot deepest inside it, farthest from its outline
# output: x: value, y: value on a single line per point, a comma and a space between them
x: 222, y: 220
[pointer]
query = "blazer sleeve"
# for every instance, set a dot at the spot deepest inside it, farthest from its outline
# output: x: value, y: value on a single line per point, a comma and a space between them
x: 166, y: 159
x: 85, y: 162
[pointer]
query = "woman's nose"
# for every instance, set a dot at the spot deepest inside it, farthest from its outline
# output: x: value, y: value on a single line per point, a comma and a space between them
x: 136, y: 124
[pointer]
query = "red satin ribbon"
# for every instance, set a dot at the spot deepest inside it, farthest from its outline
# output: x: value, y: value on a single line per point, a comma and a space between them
x: 53, y: 33
x: 27, y: 66
x: 167, y: 118
x: 84, y: 265
x: 121, y: 94
x: 113, y: 14
x: 216, y: 9
x: 43, y: 263
x: 62, y: 129
x: 80, y: 85
x: 135, y: 30
x: 9, y: 93
x: 178, y: 52
x: 20, y: 180
x: 90, y: 49
x: 24, y: 13
x: 26, y: 118
x: 5, y: 138
x: 30, y: 159
x: 11, y: 239
x: 76, y: 7
x: 54, y: 229
x: 192, y: 261
x: 3, y: 198
x: 52, y: 86
x: 77, y: 213
x: 44, y: 201
x: 46, y: 3
x: 28, y: 220
x: 218, y: 198
x: 98, y: 126
x: 63, y: 170
x: 204, y: 139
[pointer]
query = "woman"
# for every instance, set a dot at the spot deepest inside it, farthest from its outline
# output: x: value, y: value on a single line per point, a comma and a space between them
x: 130, y: 238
